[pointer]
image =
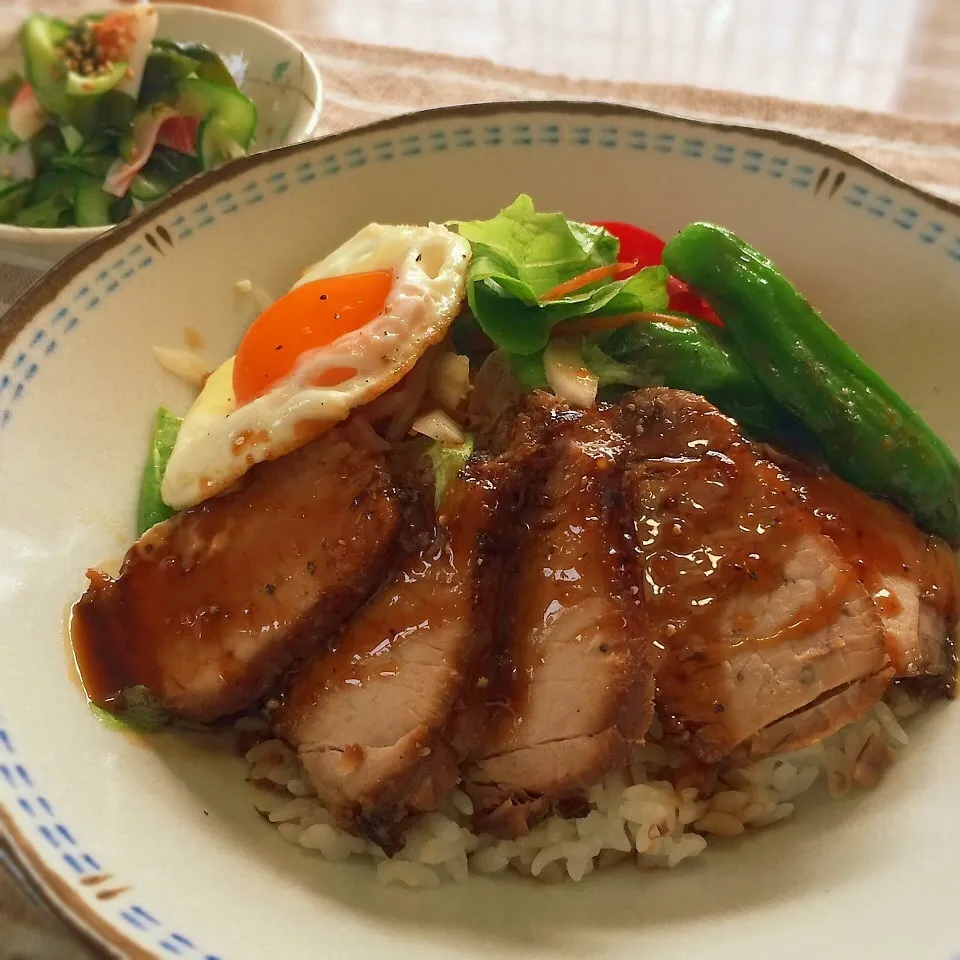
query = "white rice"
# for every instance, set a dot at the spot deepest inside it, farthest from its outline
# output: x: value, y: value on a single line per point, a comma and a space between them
x: 185, y: 364
x: 261, y: 299
x: 637, y: 813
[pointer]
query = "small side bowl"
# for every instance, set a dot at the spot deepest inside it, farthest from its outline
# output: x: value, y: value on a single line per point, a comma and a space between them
x: 280, y: 78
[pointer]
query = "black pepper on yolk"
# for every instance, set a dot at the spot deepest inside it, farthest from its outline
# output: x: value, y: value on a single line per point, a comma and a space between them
x: 309, y: 316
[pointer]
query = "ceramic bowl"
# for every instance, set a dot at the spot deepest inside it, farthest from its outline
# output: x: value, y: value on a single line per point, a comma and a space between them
x: 152, y: 847
x: 280, y: 78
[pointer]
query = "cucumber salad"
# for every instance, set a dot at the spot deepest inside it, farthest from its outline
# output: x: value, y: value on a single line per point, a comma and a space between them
x: 106, y: 117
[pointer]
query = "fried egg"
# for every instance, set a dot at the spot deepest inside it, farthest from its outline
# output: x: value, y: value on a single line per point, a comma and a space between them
x: 354, y: 325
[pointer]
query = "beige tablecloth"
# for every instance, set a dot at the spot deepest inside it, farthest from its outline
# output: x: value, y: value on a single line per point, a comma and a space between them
x: 365, y: 83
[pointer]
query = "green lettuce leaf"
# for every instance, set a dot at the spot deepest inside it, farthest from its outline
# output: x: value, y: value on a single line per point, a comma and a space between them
x: 448, y: 462
x: 528, y: 369
x: 520, y: 255
x: 532, y: 252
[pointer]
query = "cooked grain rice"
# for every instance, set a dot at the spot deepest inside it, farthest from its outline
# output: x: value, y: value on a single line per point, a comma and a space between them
x: 636, y: 812
x: 187, y: 365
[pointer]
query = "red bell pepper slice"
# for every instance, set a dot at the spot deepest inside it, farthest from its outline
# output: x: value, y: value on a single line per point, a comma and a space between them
x: 646, y: 249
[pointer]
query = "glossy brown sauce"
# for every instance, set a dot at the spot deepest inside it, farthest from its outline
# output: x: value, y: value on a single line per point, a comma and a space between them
x: 215, y: 600
x: 434, y: 610
x: 433, y: 590
x: 723, y: 527
x: 881, y: 541
x: 821, y: 613
x: 414, y: 604
x: 91, y: 671
x: 569, y: 586
x: 716, y: 526
x: 107, y: 664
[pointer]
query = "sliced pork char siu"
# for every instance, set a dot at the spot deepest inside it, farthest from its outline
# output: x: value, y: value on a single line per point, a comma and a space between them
x: 576, y: 683
x: 911, y: 576
x: 760, y: 614
x: 213, y: 605
x: 382, y: 724
x: 819, y: 719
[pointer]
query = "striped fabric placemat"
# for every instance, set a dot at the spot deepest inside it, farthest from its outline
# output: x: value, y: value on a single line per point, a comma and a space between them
x: 365, y: 83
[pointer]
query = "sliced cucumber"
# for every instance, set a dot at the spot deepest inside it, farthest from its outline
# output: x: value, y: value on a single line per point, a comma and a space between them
x: 79, y: 85
x: 214, y: 146
x: 115, y: 113
x: 164, y: 170
x: 93, y: 165
x: 72, y: 138
x: 209, y: 64
x: 229, y: 120
x: 212, y: 68
x: 40, y: 40
x: 121, y: 208
x: 171, y: 166
x: 91, y: 206
x: 162, y: 75
x: 148, y: 188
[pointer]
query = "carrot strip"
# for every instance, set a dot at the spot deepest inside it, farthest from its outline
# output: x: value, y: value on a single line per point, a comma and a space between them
x: 585, y: 325
x: 585, y: 279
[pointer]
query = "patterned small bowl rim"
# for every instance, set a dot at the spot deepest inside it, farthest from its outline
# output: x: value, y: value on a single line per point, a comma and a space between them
x: 311, y: 92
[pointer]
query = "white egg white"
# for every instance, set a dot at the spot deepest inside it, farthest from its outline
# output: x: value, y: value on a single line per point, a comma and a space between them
x: 219, y: 441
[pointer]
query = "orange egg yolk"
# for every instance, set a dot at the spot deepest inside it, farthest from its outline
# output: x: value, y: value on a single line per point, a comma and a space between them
x: 310, y: 316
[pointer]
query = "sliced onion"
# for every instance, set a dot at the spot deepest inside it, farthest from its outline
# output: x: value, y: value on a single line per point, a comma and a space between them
x: 438, y: 425
x: 413, y: 388
x: 386, y: 406
x: 185, y: 364
x: 450, y: 380
x: 568, y: 376
x: 495, y: 390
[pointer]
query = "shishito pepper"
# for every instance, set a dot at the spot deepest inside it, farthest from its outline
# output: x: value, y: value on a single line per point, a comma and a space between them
x: 150, y: 508
x: 689, y: 355
x: 867, y: 433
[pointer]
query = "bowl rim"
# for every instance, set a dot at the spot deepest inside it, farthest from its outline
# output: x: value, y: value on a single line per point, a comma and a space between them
x: 313, y: 93
x: 27, y: 867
